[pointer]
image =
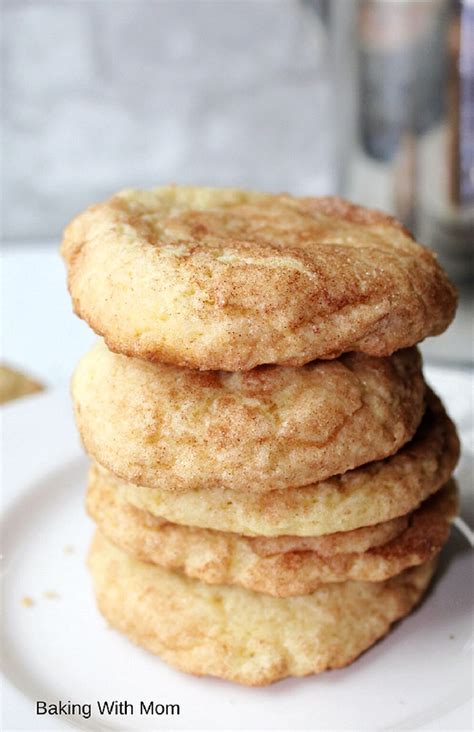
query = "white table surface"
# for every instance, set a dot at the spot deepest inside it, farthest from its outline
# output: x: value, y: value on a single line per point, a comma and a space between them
x: 42, y: 336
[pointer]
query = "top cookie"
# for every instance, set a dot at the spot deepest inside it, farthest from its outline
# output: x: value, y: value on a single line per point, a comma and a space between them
x: 229, y: 279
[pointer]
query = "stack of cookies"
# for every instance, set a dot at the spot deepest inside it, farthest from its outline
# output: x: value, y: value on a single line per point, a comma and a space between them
x: 271, y: 475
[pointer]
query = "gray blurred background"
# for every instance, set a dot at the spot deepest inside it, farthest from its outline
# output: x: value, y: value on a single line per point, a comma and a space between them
x: 105, y: 94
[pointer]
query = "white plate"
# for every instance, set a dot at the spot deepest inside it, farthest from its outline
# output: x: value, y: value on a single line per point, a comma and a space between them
x: 59, y: 648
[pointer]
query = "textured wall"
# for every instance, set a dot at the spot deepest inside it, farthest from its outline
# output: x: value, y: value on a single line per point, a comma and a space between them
x: 103, y: 94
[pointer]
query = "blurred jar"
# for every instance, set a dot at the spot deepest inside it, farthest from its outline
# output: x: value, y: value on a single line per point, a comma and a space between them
x: 404, y: 95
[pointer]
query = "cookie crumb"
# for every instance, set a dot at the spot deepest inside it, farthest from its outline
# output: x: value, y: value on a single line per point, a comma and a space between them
x: 27, y: 601
x: 69, y: 549
x: 50, y: 595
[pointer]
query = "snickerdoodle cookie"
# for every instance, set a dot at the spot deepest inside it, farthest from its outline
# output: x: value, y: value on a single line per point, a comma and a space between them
x: 283, y: 569
x: 270, y: 428
x: 237, y: 634
x: 229, y: 279
x: 371, y: 494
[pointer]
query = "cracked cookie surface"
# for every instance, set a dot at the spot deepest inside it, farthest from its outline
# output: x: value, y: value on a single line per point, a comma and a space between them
x: 229, y: 279
x: 371, y: 494
x: 271, y: 428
